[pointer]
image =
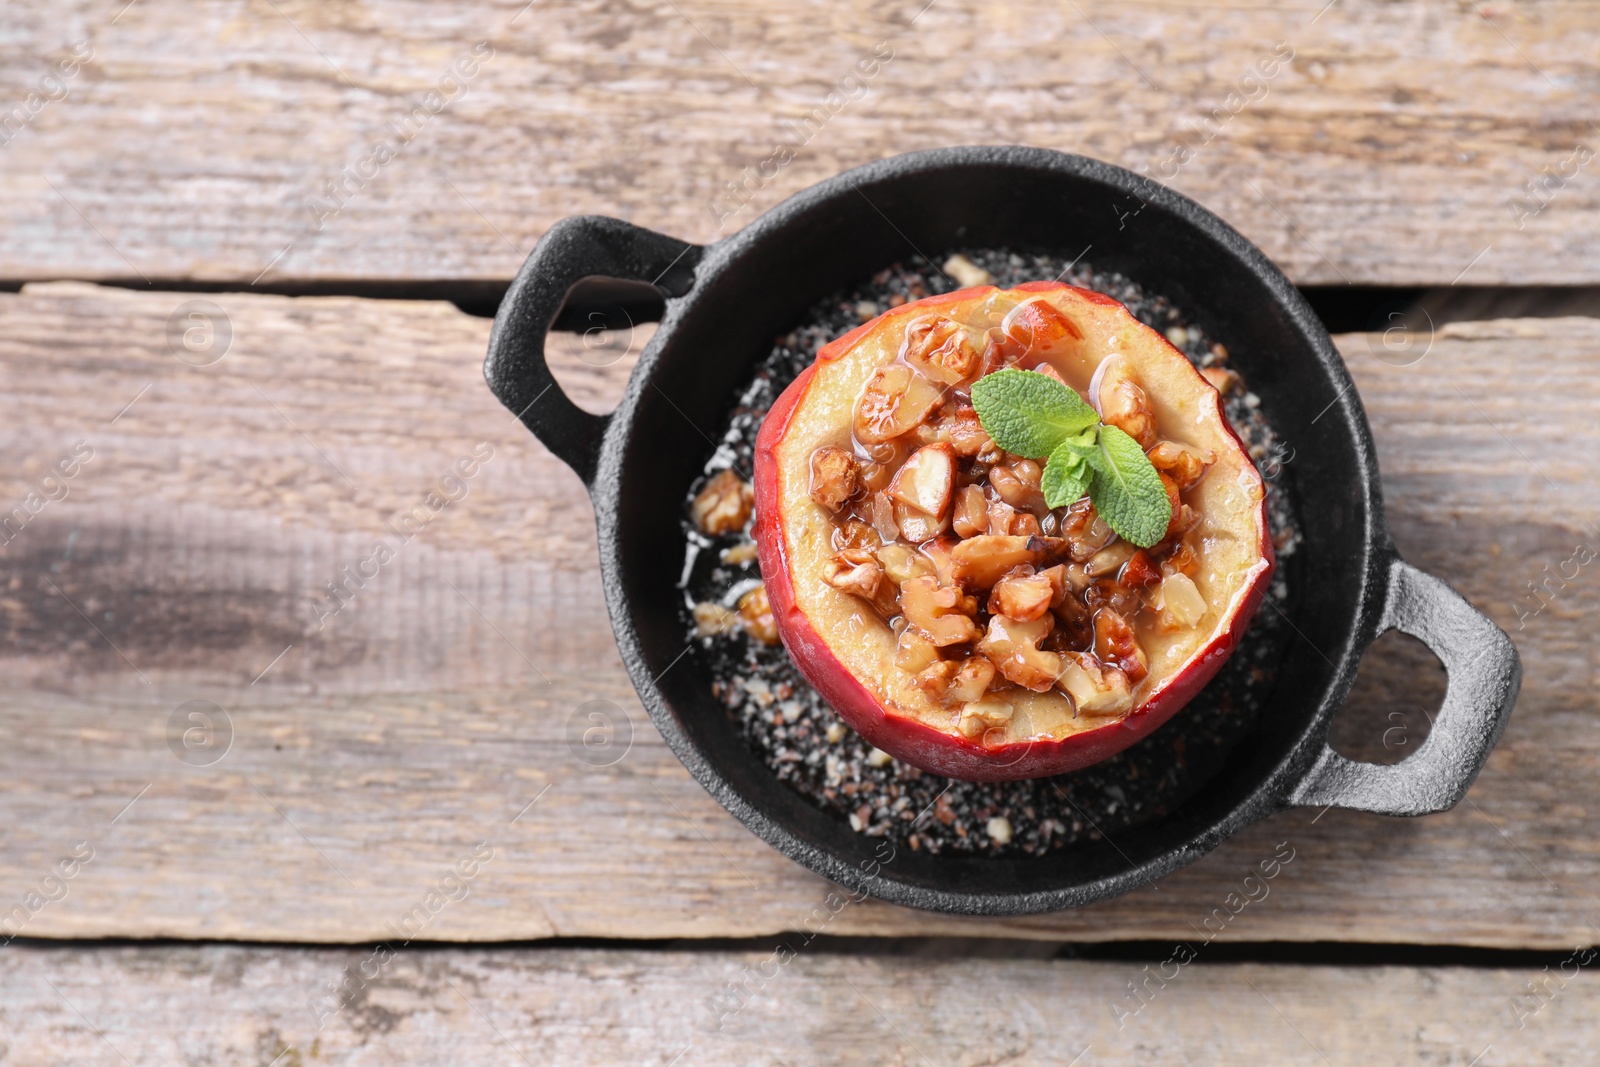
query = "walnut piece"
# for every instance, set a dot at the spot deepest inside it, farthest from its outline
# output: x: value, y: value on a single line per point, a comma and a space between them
x: 903, y: 563
x: 723, y: 506
x: 1095, y: 689
x: 934, y: 679
x: 939, y: 348
x: 926, y: 480
x: 921, y: 493
x: 964, y: 432
x: 1085, y: 531
x: 1115, y: 644
x: 1018, y: 484
x: 1002, y: 518
x: 985, y: 717
x: 895, y: 400
x: 1022, y: 596
x: 1037, y: 325
x: 941, y: 613
x: 756, y: 612
x: 848, y: 572
x: 1183, y: 464
x: 1178, y: 603
x: 714, y: 620
x: 949, y: 682
x: 966, y: 273
x: 1122, y: 402
x: 1013, y: 647
x: 972, y: 512
x: 835, y: 477
x: 972, y: 680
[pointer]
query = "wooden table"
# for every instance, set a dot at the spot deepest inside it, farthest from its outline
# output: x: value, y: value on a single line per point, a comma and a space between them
x: 220, y: 158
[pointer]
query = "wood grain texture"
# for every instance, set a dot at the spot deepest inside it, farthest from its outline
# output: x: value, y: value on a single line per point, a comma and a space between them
x: 263, y: 1006
x: 371, y: 755
x: 1392, y: 149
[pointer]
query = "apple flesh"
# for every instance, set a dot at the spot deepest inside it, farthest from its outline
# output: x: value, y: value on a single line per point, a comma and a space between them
x: 926, y: 621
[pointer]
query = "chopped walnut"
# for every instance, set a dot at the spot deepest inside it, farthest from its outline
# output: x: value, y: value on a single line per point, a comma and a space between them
x: 849, y: 573
x: 1095, y: 689
x: 921, y: 493
x: 1086, y: 533
x: 1074, y: 629
x: 835, y: 476
x: 1013, y: 647
x: 895, y: 400
x: 950, y: 683
x: 1115, y: 644
x: 1183, y: 464
x: 1122, y: 403
x: 934, y: 679
x: 939, y: 348
x: 972, y: 512
x: 741, y: 553
x: 999, y: 352
x: 1139, y: 571
x: 964, y: 432
x: 1018, y: 484
x: 1178, y: 603
x: 966, y: 273
x: 853, y: 533
x: 981, y: 717
x: 1002, y: 517
x: 917, y: 526
x: 714, y: 620
x: 881, y: 511
x: 1222, y: 379
x: 1175, y: 527
x: 903, y: 563
x: 1037, y: 325
x: 1022, y: 596
x: 756, y: 611
x: 941, y: 613
x: 723, y: 506
x: 972, y: 680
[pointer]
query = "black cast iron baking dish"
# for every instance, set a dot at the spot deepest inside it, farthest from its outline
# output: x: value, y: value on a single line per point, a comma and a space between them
x: 725, y: 302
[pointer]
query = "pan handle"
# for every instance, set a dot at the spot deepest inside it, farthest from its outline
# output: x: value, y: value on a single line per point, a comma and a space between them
x: 584, y: 246
x: 1484, y: 676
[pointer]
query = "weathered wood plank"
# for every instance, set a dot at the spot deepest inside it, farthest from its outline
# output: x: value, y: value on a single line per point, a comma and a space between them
x: 200, y: 141
x: 372, y: 754
x: 262, y: 1006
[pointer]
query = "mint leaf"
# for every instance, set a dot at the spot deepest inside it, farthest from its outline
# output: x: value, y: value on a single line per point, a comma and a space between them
x: 1066, y: 477
x: 1029, y: 413
x: 1127, y: 491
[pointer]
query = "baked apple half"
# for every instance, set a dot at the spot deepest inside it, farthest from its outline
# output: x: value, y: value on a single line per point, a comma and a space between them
x: 988, y: 614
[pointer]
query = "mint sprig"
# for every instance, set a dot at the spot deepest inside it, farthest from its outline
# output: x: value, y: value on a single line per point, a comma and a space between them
x: 1035, y: 416
x: 1029, y: 413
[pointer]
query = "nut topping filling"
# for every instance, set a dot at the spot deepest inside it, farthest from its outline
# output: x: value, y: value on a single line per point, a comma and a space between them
x: 948, y: 540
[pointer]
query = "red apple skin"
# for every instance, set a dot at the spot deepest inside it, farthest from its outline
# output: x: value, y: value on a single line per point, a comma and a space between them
x: 951, y: 754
